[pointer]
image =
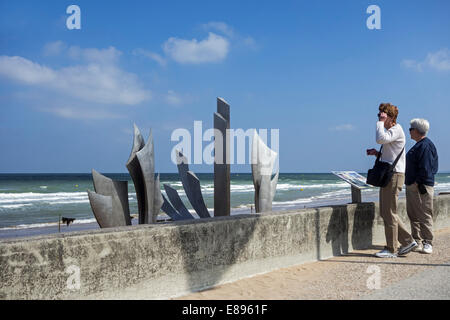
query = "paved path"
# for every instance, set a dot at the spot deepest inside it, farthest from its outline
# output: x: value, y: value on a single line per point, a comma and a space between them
x: 356, y: 275
x: 431, y: 284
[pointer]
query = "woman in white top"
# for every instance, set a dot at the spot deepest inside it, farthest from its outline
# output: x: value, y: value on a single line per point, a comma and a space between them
x: 392, y: 138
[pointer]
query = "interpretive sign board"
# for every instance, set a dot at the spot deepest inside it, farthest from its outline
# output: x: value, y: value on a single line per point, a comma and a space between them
x: 357, y: 182
x: 354, y: 178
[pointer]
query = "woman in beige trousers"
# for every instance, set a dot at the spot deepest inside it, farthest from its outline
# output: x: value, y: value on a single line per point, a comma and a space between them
x: 391, y: 136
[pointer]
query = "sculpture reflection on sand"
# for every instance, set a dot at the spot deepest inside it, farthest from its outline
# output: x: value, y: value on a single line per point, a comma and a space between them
x: 263, y: 160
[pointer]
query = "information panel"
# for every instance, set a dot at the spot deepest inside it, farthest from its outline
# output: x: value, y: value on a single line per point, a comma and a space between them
x: 354, y: 178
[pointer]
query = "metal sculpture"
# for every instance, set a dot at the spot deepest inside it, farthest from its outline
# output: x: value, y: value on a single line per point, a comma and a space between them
x: 141, y: 166
x: 263, y: 159
x: 222, y: 159
x: 109, y: 202
x: 191, y: 184
x: 175, y: 208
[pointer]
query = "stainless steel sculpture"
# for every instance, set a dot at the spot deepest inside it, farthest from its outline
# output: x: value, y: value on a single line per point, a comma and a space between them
x: 109, y: 202
x: 175, y: 208
x: 263, y: 159
x: 191, y: 184
x: 141, y: 166
x: 222, y: 159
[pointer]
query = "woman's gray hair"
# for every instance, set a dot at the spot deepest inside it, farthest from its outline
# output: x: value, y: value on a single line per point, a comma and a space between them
x: 421, y: 125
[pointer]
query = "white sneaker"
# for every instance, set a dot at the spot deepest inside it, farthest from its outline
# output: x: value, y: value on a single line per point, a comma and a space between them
x: 408, y: 248
x: 385, y: 253
x: 419, y: 247
x: 427, y: 248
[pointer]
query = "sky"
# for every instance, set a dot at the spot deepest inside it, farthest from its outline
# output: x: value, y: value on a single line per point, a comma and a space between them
x: 311, y: 69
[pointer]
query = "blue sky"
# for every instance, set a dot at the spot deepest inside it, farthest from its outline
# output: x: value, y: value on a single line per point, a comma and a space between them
x: 312, y: 69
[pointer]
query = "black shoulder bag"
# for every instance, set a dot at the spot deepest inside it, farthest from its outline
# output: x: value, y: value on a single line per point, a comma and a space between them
x: 381, y: 173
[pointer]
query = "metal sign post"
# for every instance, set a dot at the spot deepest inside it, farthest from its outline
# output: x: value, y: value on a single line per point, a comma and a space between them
x: 356, y: 181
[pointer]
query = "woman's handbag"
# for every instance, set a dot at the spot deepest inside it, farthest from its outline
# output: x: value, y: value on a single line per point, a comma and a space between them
x: 381, y: 173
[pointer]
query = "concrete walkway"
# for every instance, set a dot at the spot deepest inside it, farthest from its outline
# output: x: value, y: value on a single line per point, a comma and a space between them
x: 356, y: 275
x: 431, y: 284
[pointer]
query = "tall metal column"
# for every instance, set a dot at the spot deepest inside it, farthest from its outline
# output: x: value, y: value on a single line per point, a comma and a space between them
x: 222, y: 159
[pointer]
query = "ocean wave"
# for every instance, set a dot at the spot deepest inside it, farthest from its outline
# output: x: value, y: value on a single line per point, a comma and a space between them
x: 243, y: 188
x: 45, y: 224
x: 15, y: 206
x: 333, y: 195
x: 33, y: 197
x: 442, y: 185
x: 292, y: 202
x: 20, y: 200
x: 69, y: 202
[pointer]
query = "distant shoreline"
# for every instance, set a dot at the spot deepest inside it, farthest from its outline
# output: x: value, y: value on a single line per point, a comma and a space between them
x: 176, y: 172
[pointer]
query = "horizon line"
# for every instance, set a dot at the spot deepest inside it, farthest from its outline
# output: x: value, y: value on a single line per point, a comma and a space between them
x: 317, y: 172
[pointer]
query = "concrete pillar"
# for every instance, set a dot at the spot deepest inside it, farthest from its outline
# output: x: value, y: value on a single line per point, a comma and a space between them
x: 356, y: 195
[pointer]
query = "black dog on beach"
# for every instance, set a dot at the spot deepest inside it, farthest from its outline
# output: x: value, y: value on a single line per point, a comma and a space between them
x: 67, y: 220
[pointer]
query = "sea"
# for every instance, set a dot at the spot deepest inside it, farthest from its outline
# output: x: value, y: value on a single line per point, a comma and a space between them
x: 33, y: 202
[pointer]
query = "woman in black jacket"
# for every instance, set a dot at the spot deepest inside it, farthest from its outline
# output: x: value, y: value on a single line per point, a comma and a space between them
x: 421, y: 167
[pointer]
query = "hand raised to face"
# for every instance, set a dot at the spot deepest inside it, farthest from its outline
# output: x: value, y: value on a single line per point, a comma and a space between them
x: 382, y: 116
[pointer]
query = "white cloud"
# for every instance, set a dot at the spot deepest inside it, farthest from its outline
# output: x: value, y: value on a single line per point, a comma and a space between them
x: 54, y: 48
x: 343, y: 127
x: 237, y: 39
x: 98, y: 80
x: 173, y: 98
x: 212, y: 49
x: 26, y: 71
x: 105, y: 56
x: 411, y: 64
x: 221, y: 27
x: 439, y: 61
x: 81, y: 113
x: 151, y: 55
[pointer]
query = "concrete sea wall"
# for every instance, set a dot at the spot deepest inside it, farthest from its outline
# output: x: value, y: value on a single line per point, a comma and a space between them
x: 175, y: 258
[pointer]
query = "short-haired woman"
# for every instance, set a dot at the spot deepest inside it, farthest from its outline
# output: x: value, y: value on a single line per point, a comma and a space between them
x: 421, y: 167
x: 391, y: 136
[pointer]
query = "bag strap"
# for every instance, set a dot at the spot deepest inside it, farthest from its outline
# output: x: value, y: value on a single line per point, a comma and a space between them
x: 398, y: 158
x: 379, y: 154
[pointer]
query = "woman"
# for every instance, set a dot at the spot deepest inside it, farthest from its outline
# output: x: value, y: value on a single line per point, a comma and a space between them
x: 392, y: 138
x: 421, y: 167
